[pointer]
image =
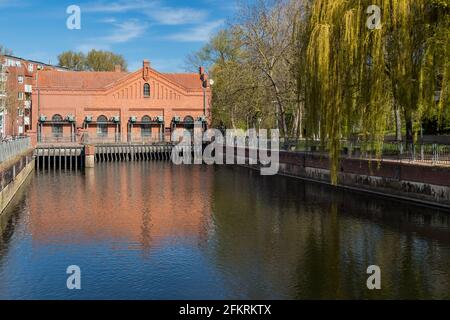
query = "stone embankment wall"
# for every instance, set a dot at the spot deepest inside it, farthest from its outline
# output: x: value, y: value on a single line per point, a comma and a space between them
x: 423, y: 183
x: 13, y: 173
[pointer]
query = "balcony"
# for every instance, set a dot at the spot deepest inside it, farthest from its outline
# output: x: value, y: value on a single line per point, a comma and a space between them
x: 28, y: 88
x: 27, y: 104
x: 26, y: 121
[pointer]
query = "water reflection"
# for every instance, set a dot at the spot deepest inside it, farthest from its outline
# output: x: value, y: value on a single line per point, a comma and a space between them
x: 304, y: 240
x: 137, y: 203
x: 156, y: 231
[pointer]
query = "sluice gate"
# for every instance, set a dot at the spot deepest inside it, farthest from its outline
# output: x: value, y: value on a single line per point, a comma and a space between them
x: 75, y: 157
x: 132, y: 153
x: 59, y: 157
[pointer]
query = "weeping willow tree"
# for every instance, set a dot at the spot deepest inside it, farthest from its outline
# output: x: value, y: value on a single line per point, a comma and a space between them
x: 356, y: 74
x: 435, y: 71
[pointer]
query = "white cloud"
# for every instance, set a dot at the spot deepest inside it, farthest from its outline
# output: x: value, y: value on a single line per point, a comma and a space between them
x: 85, y: 48
x: 125, y: 32
x: 155, y: 10
x: 108, y: 20
x: 122, y: 33
x: 177, y: 16
x: 118, y: 6
x: 167, y: 65
x: 200, y: 33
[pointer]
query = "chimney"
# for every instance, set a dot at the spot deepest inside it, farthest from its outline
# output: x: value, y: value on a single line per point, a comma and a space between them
x: 146, y: 70
x: 117, y: 68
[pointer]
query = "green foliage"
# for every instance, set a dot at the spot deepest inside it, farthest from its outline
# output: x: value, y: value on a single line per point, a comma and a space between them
x: 104, y: 61
x: 251, y: 64
x: 93, y: 61
x: 354, y: 73
x: 313, y: 67
x: 72, y: 60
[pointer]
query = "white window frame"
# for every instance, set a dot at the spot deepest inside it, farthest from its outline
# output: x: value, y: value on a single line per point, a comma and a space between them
x: 30, y: 67
x: 20, y: 96
x: 20, y: 79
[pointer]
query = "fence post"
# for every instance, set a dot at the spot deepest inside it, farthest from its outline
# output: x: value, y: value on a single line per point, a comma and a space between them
x: 10, y: 149
x: 435, y: 156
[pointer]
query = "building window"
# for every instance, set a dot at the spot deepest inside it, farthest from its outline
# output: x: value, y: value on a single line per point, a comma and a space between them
x: 146, y: 129
x: 20, y: 96
x: 102, y: 126
x: 1, y: 123
x: 146, y: 90
x: 30, y: 67
x: 57, y: 127
x: 188, y: 123
x: 20, y: 79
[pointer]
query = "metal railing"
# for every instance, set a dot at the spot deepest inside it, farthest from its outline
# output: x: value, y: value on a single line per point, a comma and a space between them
x: 116, y: 138
x: 427, y: 153
x: 56, y: 139
x: 11, y: 148
x: 110, y: 138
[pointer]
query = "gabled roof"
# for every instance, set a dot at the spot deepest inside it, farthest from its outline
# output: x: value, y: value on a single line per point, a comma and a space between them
x: 187, y: 80
x: 78, y: 79
x: 88, y: 80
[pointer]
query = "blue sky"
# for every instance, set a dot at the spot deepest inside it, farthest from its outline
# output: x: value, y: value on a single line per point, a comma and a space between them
x: 163, y: 31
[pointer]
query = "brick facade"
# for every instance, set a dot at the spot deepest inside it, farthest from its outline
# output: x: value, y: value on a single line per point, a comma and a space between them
x: 115, y: 105
x: 17, y: 78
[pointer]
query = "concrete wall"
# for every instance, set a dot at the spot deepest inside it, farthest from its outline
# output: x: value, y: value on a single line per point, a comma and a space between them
x: 423, y: 183
x: 13, y: 176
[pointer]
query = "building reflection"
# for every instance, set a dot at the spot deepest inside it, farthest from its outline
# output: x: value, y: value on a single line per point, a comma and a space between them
x: 139, y: 203
x: 251, y: 237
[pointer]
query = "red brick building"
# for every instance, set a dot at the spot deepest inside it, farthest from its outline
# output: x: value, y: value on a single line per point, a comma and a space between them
x: 17, y: 78
x: 141, y: 106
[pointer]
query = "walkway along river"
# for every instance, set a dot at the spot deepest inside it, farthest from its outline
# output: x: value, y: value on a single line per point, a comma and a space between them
x: 152, y: 230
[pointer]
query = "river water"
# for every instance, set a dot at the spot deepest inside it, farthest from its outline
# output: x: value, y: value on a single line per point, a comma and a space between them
x: 152, y: 230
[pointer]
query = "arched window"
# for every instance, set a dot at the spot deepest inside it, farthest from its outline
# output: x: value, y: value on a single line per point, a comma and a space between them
x: 146, y: 128
x: 188, y: 122
x: 57, y: 127
x: 102, y: 126
x: 146, y: 90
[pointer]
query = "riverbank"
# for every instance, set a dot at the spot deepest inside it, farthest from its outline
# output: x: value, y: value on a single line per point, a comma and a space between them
x: 425, y: 184
x: 13, y: 173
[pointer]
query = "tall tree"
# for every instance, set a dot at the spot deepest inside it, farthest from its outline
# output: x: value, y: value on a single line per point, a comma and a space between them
x: 322, y: 69
x: 12, y: 104
x: 354, y: 73
x: 72, y: 60
x: 93, y: 61
x: 266, y: 29
x: 104, y: 61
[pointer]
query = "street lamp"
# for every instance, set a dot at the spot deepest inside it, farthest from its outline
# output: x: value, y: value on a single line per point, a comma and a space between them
x: 205, y: 82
